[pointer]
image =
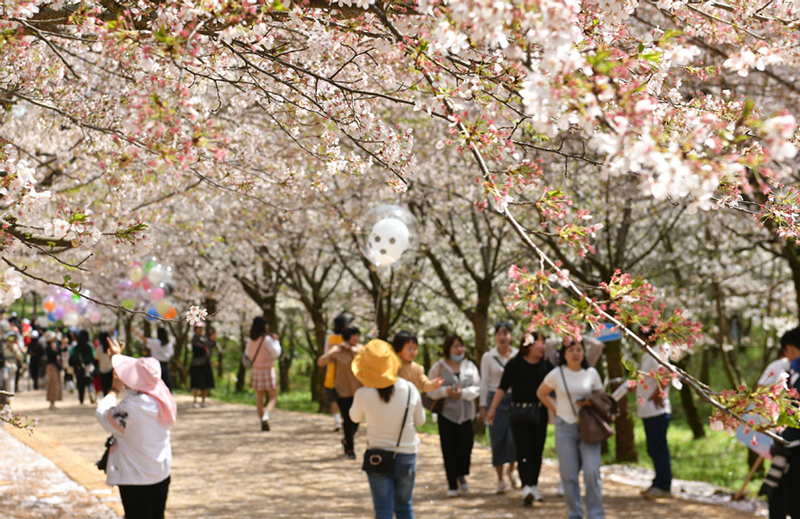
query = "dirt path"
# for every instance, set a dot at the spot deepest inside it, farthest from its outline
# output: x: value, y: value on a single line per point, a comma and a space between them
x: 224, y: 466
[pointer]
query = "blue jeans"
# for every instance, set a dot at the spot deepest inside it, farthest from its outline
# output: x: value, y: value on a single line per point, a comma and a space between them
x: 392, y: 494
x: 655, y: 428
x: 573, y: 456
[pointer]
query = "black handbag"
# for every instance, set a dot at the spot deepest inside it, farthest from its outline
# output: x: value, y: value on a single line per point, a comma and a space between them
x: 525, y: 412
x: 103, y: 463
x: 380, y: 461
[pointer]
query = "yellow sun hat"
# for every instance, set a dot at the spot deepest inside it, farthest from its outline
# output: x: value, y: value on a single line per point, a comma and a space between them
x: 376, y: 365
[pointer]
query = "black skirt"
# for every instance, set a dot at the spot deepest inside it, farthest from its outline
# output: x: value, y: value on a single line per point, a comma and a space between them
x: 202, y: 377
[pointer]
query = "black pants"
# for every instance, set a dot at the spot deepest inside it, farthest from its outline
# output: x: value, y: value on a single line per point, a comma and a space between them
x: 82, y: 382
x: 33, y: 371
x: 456, y: 440
x: 529, y: 440
x: 166, y: 376
x: 348, y: 425
x: 106, y: 379
x: 144, y: 501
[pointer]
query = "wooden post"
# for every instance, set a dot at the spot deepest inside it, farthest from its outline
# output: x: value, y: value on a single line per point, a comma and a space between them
x: 740, y: 494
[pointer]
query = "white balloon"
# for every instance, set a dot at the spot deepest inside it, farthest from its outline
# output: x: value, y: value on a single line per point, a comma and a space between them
x: 71, y: 319
x: 388, y: 240
x: 156, y: 274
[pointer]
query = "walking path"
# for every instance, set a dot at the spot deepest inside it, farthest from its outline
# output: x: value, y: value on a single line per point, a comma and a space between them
x: 225, y: 467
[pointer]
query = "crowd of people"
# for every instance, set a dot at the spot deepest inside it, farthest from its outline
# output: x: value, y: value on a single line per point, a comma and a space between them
x: 521, y: 387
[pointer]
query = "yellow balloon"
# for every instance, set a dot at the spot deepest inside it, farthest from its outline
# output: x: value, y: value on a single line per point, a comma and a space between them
x: 135, y: 274
x: 162, y: 307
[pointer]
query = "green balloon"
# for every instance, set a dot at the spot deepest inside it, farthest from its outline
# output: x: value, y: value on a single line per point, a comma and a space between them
x: 149, y: 265
x: 76, y: 297
x: 128, y: 304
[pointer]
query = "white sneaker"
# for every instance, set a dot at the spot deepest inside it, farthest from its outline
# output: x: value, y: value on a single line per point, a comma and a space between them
x: 527, y: 495
x: 452, y: 493
x: 196, y: 405
x: 560, y: 490
x: 501, y: 487
x: 513, y: 479
x: 536, y: 495
x: 462, y: 484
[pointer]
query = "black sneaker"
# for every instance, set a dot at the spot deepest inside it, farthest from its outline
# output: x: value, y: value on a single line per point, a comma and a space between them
x: 265, y: 425
x: 351, y: 455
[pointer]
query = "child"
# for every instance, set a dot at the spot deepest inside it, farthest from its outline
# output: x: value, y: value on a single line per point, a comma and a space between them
x: 405, y: 344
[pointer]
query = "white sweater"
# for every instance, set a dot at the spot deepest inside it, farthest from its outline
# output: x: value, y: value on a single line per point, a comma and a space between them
x: 142, y: 455
x: 384, y: 419
x: 492, y: 367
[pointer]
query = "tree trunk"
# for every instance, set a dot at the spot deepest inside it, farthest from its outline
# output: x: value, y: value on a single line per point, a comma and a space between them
x: 285, y: 362
x: 241, y: 373
x: 689, y: 407
x: 626, y: 446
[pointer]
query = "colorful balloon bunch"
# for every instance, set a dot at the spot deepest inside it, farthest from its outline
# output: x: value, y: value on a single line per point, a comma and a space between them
x: 62, y: 305
x: 149, y: 283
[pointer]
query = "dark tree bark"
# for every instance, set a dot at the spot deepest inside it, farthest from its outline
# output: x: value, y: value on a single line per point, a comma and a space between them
x: 626, y: 446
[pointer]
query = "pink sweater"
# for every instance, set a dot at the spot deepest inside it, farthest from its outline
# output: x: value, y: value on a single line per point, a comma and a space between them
x: 270, y: 349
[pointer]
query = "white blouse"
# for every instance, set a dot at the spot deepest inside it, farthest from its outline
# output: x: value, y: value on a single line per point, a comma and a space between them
x: 492, y: 367
x: 142, y: 455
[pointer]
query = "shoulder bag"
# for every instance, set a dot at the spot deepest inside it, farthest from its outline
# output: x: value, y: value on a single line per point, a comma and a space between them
x: 247, y: 362
x: 380, y: 461
x: 594, y: 427
x: 434, y: 405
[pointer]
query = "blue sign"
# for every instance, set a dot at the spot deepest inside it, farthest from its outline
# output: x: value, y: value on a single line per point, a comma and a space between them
x: 607, y: 332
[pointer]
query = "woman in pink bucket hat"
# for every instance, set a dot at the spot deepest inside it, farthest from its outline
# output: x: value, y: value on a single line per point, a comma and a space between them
x: 141, y: 459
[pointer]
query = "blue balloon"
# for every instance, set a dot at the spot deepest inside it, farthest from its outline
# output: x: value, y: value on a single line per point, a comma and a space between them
x: 51, y: 317
x: 152, y: 314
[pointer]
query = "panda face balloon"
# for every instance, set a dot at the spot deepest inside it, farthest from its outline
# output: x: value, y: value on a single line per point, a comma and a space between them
x: 387, y: 241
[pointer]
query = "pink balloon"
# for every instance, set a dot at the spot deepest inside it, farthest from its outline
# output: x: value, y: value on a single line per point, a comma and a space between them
x: 94, y: 317
x: 157, y: 293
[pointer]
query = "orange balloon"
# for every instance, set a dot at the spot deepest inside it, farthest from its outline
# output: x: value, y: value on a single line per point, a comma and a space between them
x: 172, y: 313
x: 49, y: 304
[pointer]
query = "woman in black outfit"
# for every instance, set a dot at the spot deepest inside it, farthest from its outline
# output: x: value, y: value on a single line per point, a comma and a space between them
x: 82, y: 360
x: 523, y: 375
x: 201, y: 373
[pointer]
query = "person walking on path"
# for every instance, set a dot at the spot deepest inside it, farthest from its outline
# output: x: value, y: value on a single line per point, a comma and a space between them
x: 81, y: 358
x: 202, y: 375
x: 393, y: 409
x: 53, y: 369
x: 104, y: 362
x: 140, y: 462
x: 522, y: 376
x: 460, y: 389
x: 263, y: 348
x: 162, y: 350
x: 345, y: 383
x: 405, y: 344
x: 493, y: 364
x: 340, y: 322
x: 574, y: 380
x: 654, y: 408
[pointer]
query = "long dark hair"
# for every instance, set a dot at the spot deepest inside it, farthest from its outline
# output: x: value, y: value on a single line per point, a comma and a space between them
x: 562, y: 358
x: 103, y: 338
x: 386, y: 393
x: 161, y: 333
x: 402, y: 338
x: 448, y: 344
x: 84, y: 345
x: 259, y: 327
x: 523, y: 348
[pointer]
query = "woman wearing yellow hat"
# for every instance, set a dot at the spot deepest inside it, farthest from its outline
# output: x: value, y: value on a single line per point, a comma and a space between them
x: 392, y: 409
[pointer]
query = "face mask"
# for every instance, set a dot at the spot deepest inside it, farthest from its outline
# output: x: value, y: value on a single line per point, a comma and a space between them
x: 457, y: 358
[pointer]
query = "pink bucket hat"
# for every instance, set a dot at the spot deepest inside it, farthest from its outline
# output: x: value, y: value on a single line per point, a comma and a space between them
x: 144, y: 375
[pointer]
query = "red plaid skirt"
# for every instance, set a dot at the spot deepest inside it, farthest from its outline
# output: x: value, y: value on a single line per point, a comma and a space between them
x: 263, y: 379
